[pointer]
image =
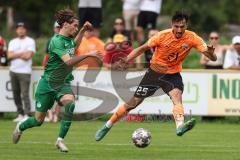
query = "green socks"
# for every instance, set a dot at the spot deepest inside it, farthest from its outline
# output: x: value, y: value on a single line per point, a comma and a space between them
x: 29, y: 123
x: 66, y: 120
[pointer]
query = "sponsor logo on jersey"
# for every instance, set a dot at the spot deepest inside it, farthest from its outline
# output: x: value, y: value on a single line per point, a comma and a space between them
x: 184, y: 46
x: 70, y: 52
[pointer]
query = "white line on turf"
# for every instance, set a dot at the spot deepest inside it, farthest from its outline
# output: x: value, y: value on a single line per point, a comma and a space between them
x: 121, y: 144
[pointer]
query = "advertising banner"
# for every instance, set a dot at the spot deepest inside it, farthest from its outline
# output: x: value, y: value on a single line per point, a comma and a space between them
x: 102, y: 91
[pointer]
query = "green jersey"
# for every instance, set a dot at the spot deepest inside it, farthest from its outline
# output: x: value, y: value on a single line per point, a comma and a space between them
x: 55, y: 81
x: 56, y: 69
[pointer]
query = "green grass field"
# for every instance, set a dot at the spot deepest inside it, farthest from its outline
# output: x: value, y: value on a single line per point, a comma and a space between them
x: 208, y: 141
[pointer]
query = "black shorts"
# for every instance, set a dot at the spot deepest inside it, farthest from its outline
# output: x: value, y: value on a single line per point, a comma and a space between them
x: 93, y: 15
x: 152, y: 81
x: 147, y: 19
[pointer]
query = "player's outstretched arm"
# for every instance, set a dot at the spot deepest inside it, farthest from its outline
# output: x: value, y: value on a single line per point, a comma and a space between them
x: 137, y: 52
x: 123, y: 62
x: 210, y: 53
x: 75, y: 60
x: 87, y: 26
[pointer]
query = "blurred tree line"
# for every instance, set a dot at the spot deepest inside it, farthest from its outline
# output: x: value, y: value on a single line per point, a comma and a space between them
x: 205, y: 15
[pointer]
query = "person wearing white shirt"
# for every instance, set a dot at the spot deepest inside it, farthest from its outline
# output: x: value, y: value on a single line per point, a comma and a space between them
x: 130, y: 14
x: 20, y: 51
x: 147, y: 19
x: 232, y: 58
x: 220, y: 51
x: 91, y: 10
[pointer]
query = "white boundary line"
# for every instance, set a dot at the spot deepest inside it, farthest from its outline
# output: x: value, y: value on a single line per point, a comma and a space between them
x: 118, y: 144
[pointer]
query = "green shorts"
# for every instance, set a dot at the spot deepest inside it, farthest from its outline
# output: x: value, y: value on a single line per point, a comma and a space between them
x: 45, y: 96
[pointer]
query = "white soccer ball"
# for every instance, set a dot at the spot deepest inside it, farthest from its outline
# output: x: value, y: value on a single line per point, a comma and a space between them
x: 141, y: 138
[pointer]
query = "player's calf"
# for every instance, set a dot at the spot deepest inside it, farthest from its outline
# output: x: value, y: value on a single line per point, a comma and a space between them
x: 65, y: 125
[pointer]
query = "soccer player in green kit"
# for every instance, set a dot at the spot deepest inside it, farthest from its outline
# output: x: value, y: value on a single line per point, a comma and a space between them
x: 62, y: 47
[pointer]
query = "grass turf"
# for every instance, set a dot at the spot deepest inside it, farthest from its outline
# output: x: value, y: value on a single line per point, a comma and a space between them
x: 207, y: 141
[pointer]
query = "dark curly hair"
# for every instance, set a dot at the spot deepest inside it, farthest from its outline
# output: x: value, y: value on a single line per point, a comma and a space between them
x: 179, y: 16
x: 65, y: 15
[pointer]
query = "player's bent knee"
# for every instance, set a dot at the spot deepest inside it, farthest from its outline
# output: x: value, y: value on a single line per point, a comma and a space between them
x: 39, y: 117
x: 133, y: 103
x: 175, y: 93
x: 66, y: 99
x: 39, y: 121
x: 137, y: 100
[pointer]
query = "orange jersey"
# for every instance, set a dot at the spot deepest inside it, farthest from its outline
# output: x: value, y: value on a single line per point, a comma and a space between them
x: 87, y: 45
x: 90, y: 44
x: 170, y: 51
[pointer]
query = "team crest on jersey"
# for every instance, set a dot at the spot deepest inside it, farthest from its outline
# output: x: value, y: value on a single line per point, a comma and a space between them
x: 71, y: 52
x: 39, y: 105
x: 184, y: 46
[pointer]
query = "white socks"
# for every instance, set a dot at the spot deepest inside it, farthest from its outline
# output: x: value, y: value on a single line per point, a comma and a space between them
x: 109, y: 124
x: 59, y: 139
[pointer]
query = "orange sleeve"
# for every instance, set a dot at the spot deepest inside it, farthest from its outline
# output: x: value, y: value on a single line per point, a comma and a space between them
x: 154, y: 41
x: 100, y: 47
x: 199, y: 44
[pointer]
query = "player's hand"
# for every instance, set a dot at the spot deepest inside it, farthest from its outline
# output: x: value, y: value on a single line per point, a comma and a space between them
x: 210, y: 49
x: 95, y: 54
x: 210, y: 53
x: 121, y: 64
x: 87, y: 26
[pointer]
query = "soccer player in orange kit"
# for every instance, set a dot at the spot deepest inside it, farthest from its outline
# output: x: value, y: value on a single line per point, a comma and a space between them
x: 171, y: 46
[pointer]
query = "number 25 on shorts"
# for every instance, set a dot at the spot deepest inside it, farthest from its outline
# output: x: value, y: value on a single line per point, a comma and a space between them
x: 142, y: 91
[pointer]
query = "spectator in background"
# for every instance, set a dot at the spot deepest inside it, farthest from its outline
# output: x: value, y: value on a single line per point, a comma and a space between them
x: 3, y: 52
x: 116, y: 51
x: 90, y: 43
x: 149, y: 53
x: 20, y: 52
x: 119, y: 32
x: 232, y: 58
x: 219, y: 51
x: 52, y: 114
x: 147, y: 18
x: 130, y: 13
x: 56, y: 29
x: 119, y: 44
x: 91, y: 10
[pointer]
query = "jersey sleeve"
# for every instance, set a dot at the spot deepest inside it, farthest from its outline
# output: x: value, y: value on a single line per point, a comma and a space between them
x: 154, y: 41
x: 199, y: 44
x: 58, y: 48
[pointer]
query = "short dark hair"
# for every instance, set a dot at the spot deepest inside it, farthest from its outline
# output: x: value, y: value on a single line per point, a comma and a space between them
x: 65, y: 15
x: 20, y: 24
x: 179, y: 16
